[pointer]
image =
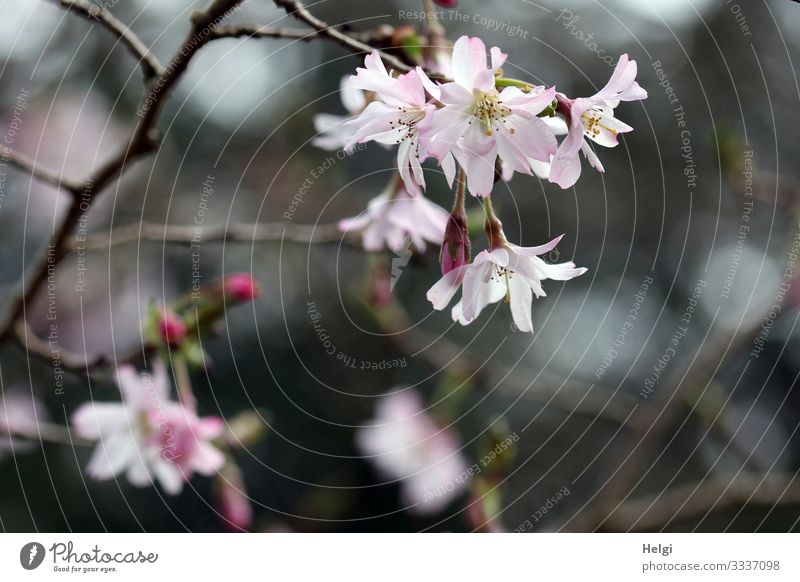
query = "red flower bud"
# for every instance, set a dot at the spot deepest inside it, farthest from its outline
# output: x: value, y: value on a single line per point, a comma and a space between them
x: 241, y: 287
x: 456, y: 245
x: 564, y: 107
x: 447, y: 3
x: 171, y: 329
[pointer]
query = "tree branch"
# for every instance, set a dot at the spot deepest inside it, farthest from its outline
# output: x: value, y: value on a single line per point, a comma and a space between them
x: 142, y: 141
x: 35, y: 169
x: 651, y: 513
x: 296, y: 9
x: 97, y: 13
x: 380, y: 34
x: 190, y: 234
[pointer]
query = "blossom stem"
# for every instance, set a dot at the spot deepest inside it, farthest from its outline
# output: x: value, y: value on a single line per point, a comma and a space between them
x: 493, y: 226
x: 183, y: 382
x: 458, y: 204
x: 434, y: 26
x: 504, y: 82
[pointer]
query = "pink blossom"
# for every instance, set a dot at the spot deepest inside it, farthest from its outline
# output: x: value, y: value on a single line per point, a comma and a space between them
x: 477, y: 122
x: 147, y: 436
x: 390, y: 220
x: 593, y: 118
x: 397, y: 116
x: 508, y: 272
x: 405, y: 444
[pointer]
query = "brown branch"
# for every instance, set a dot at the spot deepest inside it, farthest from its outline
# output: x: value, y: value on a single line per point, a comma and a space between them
x: 142, y: 141
x: 43, y: 350
x: 35, y: 169
x: 296, y: 9
x: 46, y: 351
x: 380, y: 34
x: 651, y: 513
x: 190, y: 234
x: 97, y: 13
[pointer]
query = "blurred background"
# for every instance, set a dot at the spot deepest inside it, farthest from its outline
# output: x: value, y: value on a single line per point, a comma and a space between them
x: 658, y: 391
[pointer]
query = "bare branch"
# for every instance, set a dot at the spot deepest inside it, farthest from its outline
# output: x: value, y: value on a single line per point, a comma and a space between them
x: 97, y: 13
x: 141, y: 142
x: 35, y: 169
x: 296, y: 9
x: 42, y: 350
x: 380, y: 34
x: 694, y: 500
x: 190, y: 234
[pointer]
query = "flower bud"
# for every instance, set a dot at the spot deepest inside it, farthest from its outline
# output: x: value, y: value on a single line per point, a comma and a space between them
x: 171, y: 329
x: 447, y: 3
x: 241, y: 287
x: 456, y: 244
x: 232, y: 500
x: 380, y: 287
x: 564, y: 107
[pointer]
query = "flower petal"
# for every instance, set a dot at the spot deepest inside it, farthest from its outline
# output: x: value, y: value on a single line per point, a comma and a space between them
x: 443, y: 290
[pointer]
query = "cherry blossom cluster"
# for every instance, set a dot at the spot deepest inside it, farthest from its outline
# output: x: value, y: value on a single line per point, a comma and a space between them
x: 479, y: 127
x: 152, y: 436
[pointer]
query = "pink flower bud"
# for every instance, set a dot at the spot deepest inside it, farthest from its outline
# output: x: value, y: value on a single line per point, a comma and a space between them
x: 232, y: 500
x: 456, y: 245
x: 380, y: 287
x: 241, y: 287
x: 171, y: 329
x: 447, y: 3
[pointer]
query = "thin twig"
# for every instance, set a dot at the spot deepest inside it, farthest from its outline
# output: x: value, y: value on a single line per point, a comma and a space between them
x: 46, y: 351
x: 68, y: 360
x: 191, y: 235
x: 35, y: 169
x: 141, y: 142
x: 380, y: 34
x: 296, y: 9
x: 97, y: 13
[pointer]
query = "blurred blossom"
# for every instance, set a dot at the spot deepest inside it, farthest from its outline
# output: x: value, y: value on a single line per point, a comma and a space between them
x: 20, y: 414
x: 147, y: 436
x: 406, y: 444
x: 334, y: 134
x: 390, y: 220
